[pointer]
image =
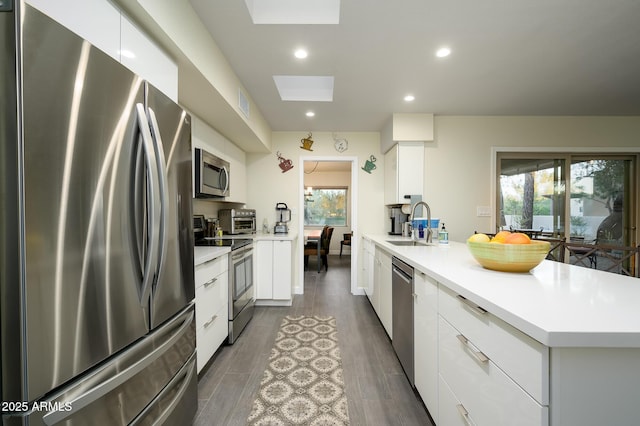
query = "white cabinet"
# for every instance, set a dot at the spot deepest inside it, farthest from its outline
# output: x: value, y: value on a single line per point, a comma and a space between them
x: 103, y: 25
x: 212, y: 307
x: 382, y: 289
x: 426, y: 340
x: 368, y: 264
x: 97, y: 21
x: 498, y: 375
x: 273, y: 272
x: 403, y: 172
x: 143, y: 57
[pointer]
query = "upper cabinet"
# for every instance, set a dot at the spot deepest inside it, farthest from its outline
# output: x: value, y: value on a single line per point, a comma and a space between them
x: 205, y: 137
x: 406, y: 127
x: 403, y: 172
x: 102, y: 24
x: 143, y: 57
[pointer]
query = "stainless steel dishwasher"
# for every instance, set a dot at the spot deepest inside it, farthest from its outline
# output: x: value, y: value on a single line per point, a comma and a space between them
x: 402, y: 315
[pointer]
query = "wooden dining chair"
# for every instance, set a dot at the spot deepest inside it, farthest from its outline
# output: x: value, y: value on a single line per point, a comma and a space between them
x: 312, y: 249
x: 346, y: 241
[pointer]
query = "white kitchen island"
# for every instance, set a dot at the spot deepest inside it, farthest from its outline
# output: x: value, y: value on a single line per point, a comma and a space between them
x: 557, y: 346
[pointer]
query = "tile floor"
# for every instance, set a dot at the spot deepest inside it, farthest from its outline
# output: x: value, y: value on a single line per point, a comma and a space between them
x: 378, y: 392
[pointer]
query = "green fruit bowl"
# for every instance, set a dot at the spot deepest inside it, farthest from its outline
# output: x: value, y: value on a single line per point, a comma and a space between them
x: 509, y: 257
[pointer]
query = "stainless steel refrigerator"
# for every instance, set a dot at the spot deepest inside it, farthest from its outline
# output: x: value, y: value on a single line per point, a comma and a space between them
x: 96, y: 245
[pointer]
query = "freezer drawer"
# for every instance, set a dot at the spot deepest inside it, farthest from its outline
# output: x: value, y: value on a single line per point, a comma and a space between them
x: 153, y: 369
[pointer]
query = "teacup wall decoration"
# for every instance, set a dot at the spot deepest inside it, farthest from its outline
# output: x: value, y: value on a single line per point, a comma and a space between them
x: 285, y: 164
x: 306, y: 143
x: 369, y: 165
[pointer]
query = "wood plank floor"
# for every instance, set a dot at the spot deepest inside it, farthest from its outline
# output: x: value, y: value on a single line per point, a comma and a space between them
x: 377, y: 390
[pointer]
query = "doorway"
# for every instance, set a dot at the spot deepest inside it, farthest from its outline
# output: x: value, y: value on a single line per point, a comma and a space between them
x: 335, y: 180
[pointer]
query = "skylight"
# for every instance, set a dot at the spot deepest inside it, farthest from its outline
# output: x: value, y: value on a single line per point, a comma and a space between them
x: 294, y: 11
x: 304, y: 88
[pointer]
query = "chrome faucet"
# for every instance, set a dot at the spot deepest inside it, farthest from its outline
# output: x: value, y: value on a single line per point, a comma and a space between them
x: 428, y: 232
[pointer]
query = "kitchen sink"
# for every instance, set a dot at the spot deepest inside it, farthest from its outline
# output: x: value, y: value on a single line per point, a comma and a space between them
x: 407, y: 243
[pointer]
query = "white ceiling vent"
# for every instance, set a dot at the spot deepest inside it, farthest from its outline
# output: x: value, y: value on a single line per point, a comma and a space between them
x: 294, y: 11
x: 243, y: 103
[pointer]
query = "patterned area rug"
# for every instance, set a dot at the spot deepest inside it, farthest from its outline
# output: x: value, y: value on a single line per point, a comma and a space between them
x: 303, y: 383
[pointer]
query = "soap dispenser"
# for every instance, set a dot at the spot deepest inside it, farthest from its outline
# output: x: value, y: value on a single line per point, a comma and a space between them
x: 443, y: 235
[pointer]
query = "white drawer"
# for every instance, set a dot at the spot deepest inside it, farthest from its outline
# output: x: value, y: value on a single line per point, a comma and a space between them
x: 490, y: 396
x: 211, y: 336
x: 450, y: 411
x: 211, y: 297
x: 524, y: 359
x: 208, y: 270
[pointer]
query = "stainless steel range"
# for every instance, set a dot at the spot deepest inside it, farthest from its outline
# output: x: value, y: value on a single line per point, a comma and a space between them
x: 241, y: 300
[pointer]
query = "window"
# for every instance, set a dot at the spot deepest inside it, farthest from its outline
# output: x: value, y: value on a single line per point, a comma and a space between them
x: 325, y: 206
x: 581, y: 197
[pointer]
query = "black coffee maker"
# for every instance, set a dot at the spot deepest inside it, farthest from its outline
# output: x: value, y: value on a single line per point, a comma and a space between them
x: 397, y: 219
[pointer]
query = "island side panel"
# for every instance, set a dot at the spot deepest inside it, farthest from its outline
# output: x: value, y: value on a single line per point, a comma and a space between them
x: 594, y: 386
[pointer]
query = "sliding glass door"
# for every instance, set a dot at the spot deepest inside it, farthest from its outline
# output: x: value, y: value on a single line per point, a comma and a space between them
x: 582, y: 198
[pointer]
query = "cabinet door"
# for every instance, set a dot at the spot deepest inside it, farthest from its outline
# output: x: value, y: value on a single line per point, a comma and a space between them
x: 282, y: 270
x: 426, y: 340
x: 385, y: 301
x: 391, y: 176
x: 368, y: 269
x: 410, y: 169
x: 264, y: 270
x: 144, y: 58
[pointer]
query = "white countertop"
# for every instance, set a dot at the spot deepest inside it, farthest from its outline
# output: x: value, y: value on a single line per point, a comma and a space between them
x: 555, y: 303
x: 207, y: 253
x: 290, y: 236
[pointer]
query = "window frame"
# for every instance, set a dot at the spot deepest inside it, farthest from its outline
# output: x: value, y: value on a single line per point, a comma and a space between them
x: 569, y: 155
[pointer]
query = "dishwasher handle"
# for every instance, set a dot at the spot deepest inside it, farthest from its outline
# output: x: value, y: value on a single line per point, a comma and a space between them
x: 401, y: 274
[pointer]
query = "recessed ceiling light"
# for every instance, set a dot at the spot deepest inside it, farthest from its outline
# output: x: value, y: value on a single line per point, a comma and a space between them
x: 409, y: 98
x: 310, y: 114
x: 443, y: 52
x: 300, y: 53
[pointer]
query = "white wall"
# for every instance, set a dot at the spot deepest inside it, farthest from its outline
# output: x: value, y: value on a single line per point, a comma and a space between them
x: 458, y: 163
x: 267, y: 185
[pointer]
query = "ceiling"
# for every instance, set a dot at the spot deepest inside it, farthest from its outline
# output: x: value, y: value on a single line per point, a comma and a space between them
x: 509, y: 57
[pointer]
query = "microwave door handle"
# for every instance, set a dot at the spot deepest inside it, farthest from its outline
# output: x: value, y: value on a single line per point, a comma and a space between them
x: 153, y: 215
x: 163, y: 181
x: 226, y: 179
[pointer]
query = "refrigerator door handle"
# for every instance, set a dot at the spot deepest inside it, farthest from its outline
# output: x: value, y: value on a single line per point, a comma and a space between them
x: 153, y: 216
x: 97, y: 392
x: 161, y: 165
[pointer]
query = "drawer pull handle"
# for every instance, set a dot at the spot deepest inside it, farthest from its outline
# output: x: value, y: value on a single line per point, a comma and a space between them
x: 475, y: 308
x: 464, y: 413
x: 211, y: 281
x: 208, y: 323
x: 477, y: 354
x: 415, y: 296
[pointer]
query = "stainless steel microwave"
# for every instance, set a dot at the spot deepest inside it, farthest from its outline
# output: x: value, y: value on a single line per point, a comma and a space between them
x: 211, y: 175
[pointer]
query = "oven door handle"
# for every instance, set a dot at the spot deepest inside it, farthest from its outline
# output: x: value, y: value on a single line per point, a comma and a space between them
x: 240, y: 253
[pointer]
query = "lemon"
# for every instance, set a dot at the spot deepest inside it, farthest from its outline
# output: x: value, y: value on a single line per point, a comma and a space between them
x: 479, y: 238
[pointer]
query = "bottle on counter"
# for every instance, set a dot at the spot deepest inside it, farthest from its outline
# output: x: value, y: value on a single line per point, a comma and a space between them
x: 443, y: 235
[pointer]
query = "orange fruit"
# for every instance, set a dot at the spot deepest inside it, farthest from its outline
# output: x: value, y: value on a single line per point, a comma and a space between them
x: 479, y: 238
x: 517, y: 238
x: 500, y: 237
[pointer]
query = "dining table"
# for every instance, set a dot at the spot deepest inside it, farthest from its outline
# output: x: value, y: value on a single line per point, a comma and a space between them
x: 311, y: 235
